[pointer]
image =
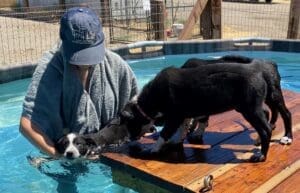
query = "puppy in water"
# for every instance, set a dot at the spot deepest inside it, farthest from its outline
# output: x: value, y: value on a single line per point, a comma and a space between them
x: 90, y: 146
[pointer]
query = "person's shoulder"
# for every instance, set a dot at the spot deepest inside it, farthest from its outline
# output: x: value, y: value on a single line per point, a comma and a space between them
x: 112, y: 55
x: 113, y: 59
x: 51, y: 59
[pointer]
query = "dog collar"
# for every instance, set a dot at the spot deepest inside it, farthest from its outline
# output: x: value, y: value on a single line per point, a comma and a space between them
x: 143, y: 113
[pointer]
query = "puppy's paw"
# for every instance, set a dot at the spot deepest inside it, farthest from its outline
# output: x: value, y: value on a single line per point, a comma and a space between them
x: 286, y: 140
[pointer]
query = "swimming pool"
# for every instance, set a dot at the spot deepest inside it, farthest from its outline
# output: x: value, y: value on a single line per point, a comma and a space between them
x: 17, y: 176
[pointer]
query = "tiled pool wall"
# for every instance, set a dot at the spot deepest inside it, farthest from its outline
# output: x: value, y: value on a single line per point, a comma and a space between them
x: 146, y: 49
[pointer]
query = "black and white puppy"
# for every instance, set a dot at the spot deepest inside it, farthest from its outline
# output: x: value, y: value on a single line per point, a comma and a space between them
x: 112, y: 136
x: 176, y: 94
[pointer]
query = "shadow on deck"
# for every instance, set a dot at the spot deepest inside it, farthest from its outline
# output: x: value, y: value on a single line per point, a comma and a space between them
x: 228, y: 144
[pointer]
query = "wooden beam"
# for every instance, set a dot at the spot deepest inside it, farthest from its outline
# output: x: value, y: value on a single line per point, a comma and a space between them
x: 206, y: 22
x: 192, y: 20
x: 216, y: 6
x: 294, y: 20
x: 158, y: 18
x: 134, y: 182
x: 105, y: 14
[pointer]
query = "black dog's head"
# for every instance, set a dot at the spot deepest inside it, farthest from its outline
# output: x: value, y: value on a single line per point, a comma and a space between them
x: 74, y: 145
x: 136, y: 122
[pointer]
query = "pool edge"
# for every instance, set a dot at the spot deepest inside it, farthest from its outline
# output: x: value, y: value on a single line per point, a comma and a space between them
x: 146, y: 49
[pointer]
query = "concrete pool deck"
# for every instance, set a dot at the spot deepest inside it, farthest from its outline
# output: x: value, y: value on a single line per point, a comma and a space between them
x: 148, y: 49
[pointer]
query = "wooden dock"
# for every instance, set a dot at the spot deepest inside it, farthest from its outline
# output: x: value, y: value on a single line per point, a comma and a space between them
x: 228, y: 143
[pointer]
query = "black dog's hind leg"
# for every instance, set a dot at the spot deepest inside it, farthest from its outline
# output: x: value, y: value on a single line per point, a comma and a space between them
x: 276, y: 103
x: 287, y: 120
x: 274, y: 112
x: 259, y: 121
x: 267, y: 114
x: 196, y: 130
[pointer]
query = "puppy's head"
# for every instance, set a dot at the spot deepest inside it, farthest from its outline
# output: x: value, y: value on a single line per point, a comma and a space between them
x: 74, y: 146
x: 135, y: 122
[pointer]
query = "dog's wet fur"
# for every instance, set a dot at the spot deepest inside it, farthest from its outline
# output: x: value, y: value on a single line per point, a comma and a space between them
x: 201, y: 88
x: 109, y: 138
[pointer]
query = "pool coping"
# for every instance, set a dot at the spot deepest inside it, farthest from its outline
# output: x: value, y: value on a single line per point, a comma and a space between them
x: 146, y: 49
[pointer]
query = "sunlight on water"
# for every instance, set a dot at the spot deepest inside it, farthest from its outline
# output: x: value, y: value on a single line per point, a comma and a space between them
x: 17, y: 176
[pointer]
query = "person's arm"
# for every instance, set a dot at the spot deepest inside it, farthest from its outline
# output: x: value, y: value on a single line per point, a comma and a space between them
x: 37, y: 137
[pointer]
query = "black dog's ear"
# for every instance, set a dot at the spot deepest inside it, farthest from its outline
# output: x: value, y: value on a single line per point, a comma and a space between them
x: 127, y: 115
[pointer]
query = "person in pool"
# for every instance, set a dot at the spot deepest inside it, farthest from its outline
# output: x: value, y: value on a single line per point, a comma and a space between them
x: 78, y: 87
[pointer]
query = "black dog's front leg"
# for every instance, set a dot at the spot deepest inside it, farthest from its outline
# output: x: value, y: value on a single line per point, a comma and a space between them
x: 170, y: 128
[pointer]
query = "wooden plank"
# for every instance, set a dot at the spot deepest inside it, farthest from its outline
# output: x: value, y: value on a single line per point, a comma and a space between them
x: 135, y: 183
x: 192, y: 20
x: 290, y: 185
x: 228, y: 143
x: 279, y: 177
x: 249, y: 176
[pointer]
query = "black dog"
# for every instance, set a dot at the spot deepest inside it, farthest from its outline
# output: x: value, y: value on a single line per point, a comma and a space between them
x: 74, y: 145
x: 179, y: 93
x: 274, y: 98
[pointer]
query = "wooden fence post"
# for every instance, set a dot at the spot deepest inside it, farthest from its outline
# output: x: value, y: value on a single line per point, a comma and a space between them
x: 105, y: 12
x: 205, y: 22
x: 26, y: 3
x: 294, y: 20
x: 210, y: 23
x: 158, y: 19
x: 216, y: 6
x: 192, y: 20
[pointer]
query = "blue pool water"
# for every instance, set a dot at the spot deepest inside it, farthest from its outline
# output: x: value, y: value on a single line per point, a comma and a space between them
x: 17, y: 176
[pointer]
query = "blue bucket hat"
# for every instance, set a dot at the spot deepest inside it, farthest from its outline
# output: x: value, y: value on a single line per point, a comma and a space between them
x: 82, y: 36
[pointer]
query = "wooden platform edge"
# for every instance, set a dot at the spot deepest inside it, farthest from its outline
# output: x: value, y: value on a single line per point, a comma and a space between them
x: 121, y: 173
x: 126, y: 175
x: 135, y: 183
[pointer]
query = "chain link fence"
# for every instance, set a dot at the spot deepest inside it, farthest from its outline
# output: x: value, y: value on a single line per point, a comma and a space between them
x: 25, y: 33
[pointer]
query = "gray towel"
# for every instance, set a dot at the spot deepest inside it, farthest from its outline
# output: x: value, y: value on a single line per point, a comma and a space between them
x: 57, y: 103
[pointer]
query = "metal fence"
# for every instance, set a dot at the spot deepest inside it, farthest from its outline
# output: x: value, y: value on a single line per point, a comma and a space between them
x: 25, y: 33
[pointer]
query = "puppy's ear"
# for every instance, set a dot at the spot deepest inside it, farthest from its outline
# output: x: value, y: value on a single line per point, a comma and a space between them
x: 61, y: 144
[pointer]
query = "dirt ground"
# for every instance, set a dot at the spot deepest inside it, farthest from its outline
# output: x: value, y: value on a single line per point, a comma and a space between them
x: 24, y: 41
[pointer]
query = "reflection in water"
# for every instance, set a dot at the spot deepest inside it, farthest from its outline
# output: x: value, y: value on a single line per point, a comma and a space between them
x: 65, y: 173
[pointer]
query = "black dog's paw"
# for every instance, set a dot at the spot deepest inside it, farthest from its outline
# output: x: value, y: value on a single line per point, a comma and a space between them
x: 171, y: 147
x: 257, y: 157
x: 257, y: 141
x: 138, y: 150
x: 135, y: 148
x: 195, y: 139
